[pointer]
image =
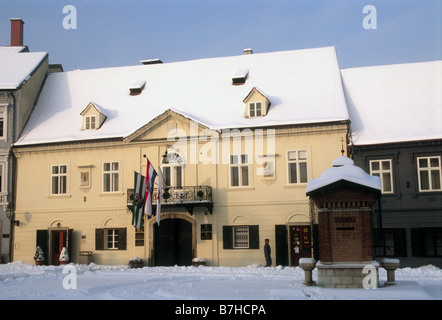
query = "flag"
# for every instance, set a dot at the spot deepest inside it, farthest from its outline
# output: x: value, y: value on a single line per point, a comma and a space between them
x: 150, y: 179
x: 138, y: 202
x: 159, y: 193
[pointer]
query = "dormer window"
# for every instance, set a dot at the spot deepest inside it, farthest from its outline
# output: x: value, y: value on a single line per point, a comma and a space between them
x: 240, y: 77
x: 255, y: 109
x: 137, y: 88
x: 90, y: 122
x: 93, y: 116
x: 257, y: 104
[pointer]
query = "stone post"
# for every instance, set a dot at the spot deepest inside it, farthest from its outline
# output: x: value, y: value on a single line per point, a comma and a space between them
x: 390, y: 265
x: 308, y: 264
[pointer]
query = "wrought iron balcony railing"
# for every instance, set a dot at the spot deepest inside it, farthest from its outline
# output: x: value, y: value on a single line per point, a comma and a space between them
x: 187, y: 196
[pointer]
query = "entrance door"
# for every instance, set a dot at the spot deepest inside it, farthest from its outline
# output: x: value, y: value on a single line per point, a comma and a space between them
x: 173, y: 243
x: 300, y: 243
x: 59, y: 240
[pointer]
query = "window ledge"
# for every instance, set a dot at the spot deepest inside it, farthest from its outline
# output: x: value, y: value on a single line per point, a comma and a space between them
x: 240, y: 188
x: 59, y: 196
x: 415, y: 195
x: 111, y: 194
x: 295, y: 185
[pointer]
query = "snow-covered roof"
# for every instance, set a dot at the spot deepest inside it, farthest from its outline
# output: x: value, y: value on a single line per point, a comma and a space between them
x: 303, y: 86
x: 17, y: 65
x: 394, y: 103
x: 343, y: 169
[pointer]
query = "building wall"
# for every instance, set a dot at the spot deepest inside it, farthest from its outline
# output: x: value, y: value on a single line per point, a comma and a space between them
x: 406, y: 208
x: 17, y: 106
x: 266, y: 202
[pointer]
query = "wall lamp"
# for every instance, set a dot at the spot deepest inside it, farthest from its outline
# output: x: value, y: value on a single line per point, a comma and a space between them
x: 10, y: 215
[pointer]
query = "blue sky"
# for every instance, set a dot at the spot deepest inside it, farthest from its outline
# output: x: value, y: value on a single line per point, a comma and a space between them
x: 123, y: 32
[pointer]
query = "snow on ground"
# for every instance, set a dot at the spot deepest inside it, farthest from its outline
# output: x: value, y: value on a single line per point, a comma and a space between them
x: 20, y: 281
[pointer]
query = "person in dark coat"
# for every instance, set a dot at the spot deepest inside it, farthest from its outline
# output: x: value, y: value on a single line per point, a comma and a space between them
x: 267, y: 252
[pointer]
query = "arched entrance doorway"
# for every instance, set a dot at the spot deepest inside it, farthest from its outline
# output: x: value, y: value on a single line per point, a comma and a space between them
x: 173, y: 242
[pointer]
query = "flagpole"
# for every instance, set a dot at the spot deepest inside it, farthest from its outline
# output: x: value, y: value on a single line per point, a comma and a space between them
x: 150, y: 181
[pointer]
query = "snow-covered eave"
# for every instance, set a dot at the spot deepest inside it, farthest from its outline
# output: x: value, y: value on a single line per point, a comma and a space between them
x: 12, y: 86
x: 45, y: 143
x: 129, y: 136
x: 390, y: 142
x: 283, y: 123
x: 337, y: 182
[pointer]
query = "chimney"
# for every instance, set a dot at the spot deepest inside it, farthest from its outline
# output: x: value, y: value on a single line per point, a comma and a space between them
x: 248, y: 51
x: 17, y: 32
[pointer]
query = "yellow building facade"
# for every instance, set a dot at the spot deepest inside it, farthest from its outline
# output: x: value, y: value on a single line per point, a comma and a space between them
x: 236, y: 149
x: 70, y: 189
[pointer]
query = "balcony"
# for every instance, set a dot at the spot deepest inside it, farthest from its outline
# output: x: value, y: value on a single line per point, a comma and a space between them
x: 188, y: 197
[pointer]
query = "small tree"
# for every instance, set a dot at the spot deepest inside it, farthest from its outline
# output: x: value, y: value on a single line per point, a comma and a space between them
x: 64, y: 255
x: 39, y: 255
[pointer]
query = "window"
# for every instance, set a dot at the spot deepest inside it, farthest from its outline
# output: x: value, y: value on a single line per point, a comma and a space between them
x: 111, y: 176
x: 93, y: 116
x: 426, y: 242
x: 383, y: 170
x: 239, y: 170
x: 110, y: 239
x: 59, y: 179
x: 173, y: 170
x: 90, y: 122
x: 297, y: 166
x: 241, y: 237
x: 255, y: 109
x: 390, y: 242
x: 257, y: 103
x: 2, y: 177
x: 240, y: 77
x: 429, y: 171
x: 137, y: 88
x: 2, y: 122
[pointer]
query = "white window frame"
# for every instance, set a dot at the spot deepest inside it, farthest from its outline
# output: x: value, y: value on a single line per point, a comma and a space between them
x: 170, y: 166
x: 111, y: 238
x: 113, y: 187
x: 298, y: 162
x: 256, y: 108
x: 59, y: 175
x: 4, y: 111
x: 241, y: 237
x: 429, y: 169
x: 3, y: 177
x: 241, y: 163
x: 88, y: 122
x: 381, y: 173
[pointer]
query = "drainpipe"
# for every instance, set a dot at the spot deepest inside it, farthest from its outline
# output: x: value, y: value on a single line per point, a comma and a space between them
x: 11, y: 185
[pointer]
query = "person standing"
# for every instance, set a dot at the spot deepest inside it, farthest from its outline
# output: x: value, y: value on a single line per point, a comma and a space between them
x: 267, y: 252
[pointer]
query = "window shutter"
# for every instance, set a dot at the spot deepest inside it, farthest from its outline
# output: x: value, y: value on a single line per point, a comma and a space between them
x: 69, y: 242
x: 227, y: 237
x: 400, y: 245
x: 417, y: 242
x: 122, y: 239
x: 99, y: 239
x: 254, y: 237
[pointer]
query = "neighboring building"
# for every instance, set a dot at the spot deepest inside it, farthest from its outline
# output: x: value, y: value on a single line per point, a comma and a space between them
x: 395, y: 112
x: 22, y: 74
x: 91, y: 129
